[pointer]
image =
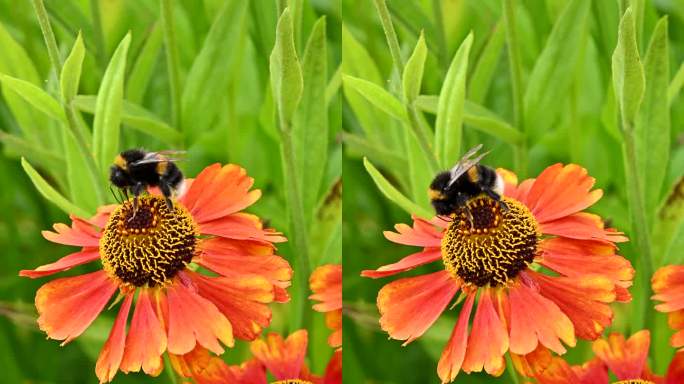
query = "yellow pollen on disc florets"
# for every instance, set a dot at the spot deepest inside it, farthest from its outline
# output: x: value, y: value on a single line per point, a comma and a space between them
x: 634, y: 381
x: 150, y: 244
x: 292, y: 381
x: 489, y: 243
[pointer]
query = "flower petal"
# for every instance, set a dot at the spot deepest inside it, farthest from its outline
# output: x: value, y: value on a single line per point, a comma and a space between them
x: 406, y: 264
x: 488, y: 340
x: 220, y: 191
x: 241, y: 226
x: 67, y: 262
x: 409, y: 306
x: 242, y: 299
x: 560, y: 191
x: 585, y: 226
x: 333, y: 320
x: 575, y: 258
x: 146, y: 340
x: 452, y: 357
x: 422, y: 234
x: 284, y: 359
x: 534, y: 363
x: 110, y: 356
x: 667, y: 283
x: 204, y: 368
x: 326, y: 283
x: 675, y: 371
x: 192, y: 319
x: 238, y: 258
x: 68, y: 305
x: 534, y: 319
x: 81, y: 234
x: 627, y: 359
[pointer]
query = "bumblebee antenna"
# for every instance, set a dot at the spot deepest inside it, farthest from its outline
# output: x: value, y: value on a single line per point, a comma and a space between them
x: 117, y: 198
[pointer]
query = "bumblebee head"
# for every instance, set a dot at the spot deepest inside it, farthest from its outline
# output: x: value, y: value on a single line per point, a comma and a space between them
x: 439, y: 186
x: 119, y: 176
x: 120, y: 162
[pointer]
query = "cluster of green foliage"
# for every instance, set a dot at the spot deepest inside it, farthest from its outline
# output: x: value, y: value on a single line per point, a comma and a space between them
x: 591, y: 82
x: 249, y: 82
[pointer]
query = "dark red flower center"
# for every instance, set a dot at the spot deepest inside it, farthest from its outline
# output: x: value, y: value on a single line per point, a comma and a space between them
x: 489, y: 243
x: 148, y: 245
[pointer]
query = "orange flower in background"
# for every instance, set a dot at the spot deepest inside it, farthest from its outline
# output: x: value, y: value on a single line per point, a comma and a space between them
x: 155, y: 252
x: 668, y: 284
x: 626, y: 359
x: 326, y: 283
x: 496, y: 255
x: 284, y: 359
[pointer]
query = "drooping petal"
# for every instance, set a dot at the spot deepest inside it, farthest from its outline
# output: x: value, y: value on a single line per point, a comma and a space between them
x: 422, y: 234
x: 241, y: 226
x: 534, y: 363
x: 67, y: 306
x: 81, y: 234
x: 194, y: 319
x: 326, y: 283
x: 583, y: 226
x: 573, y: 258
x: 237, y: 258
x: 488, y: 340
x: 675, y: 371
x: 534, y: 319
x: 283, y: 358
x: 110, y: 356
x: 333, y: 371
x: 452, y: 357
x: 242, y: 299
x: 219, y: 191
x: 204, y: 368
x: 592, y: 372
x: 668, y: 284
x: 584, y: 299
x: 627, y: 359
x: 406, y: 264
x: 560, y: 191
x: 65, y: 263
x: 333, y: 320
x: 146, y: 340
x: 557, y: 372
x: 409, y: 306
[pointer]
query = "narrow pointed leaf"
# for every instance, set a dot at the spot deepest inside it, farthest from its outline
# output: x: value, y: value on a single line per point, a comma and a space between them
x: 37, y: 97
x: 413, y: 71
x: 628, y: 72
x: 50, y: 193
x: 71, y: 71
x: 286, y: 72
x: 142, y: 71
x: 377, y: 96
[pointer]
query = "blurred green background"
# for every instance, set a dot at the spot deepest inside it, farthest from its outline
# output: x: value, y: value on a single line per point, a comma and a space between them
x: 216, y: 103
x: 570, y: 115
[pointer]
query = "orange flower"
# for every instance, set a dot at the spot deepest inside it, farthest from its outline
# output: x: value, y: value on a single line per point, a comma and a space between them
x: 155, y: 251
x: 626, y: 359
x: 326, y: 283
x: 284, y: 359
x: 499, y: 253
x: 668, y: 284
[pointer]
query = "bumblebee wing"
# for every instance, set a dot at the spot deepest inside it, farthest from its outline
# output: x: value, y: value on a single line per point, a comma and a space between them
x: 170, y: 152
x: 154, y: 160
x: 465, y: 163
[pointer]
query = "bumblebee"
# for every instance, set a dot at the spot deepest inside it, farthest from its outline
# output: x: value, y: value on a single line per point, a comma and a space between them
x: 135, y: 169
x: 451, y: 190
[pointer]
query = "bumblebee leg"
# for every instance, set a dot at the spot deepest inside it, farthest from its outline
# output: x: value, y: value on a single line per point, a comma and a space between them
x: 114, y: 194
x: 136, y: 190
x: 166, y: 191
x: 497, y: 197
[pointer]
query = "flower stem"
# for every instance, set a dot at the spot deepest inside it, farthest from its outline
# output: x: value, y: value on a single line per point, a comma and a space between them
x: 69, y: 111
x: 414, y: 121
x: 299, y: 314
x: 172, y: 61
x: 515, y: 64
x: 640, y: 224
x: 170, y: 372
x: 512, y: 373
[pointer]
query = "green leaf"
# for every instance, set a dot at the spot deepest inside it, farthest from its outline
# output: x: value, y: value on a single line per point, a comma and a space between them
x: 478, y: 117
x: 448, y: 126
x: 310, y: 122
x: 31, y: 151
x: 676, y: 84
x: 379, y: 154
x: 413, y: 71
x: 669, y: 222
x: 377, y: 96
x: 136, y: 117
x: 212, y: 69
x: 35, y: 96
x: 286, y: 73
x: 553, y: 73
x: 78, y: 178
x: 142, y: 70
x: 419, y: 174
x: 393, y: 194
x: 71, y: 71
x: 106, y: 124
x: 652, y: 129
x: 485, y: 68
x: 50, y: 193
x: 628, y: 73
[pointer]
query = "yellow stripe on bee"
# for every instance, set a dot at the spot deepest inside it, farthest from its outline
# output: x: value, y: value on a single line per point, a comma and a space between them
x: 120, y: 162
x: 473, y: 174
x: 161, y: 167
x: 435, y: 194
